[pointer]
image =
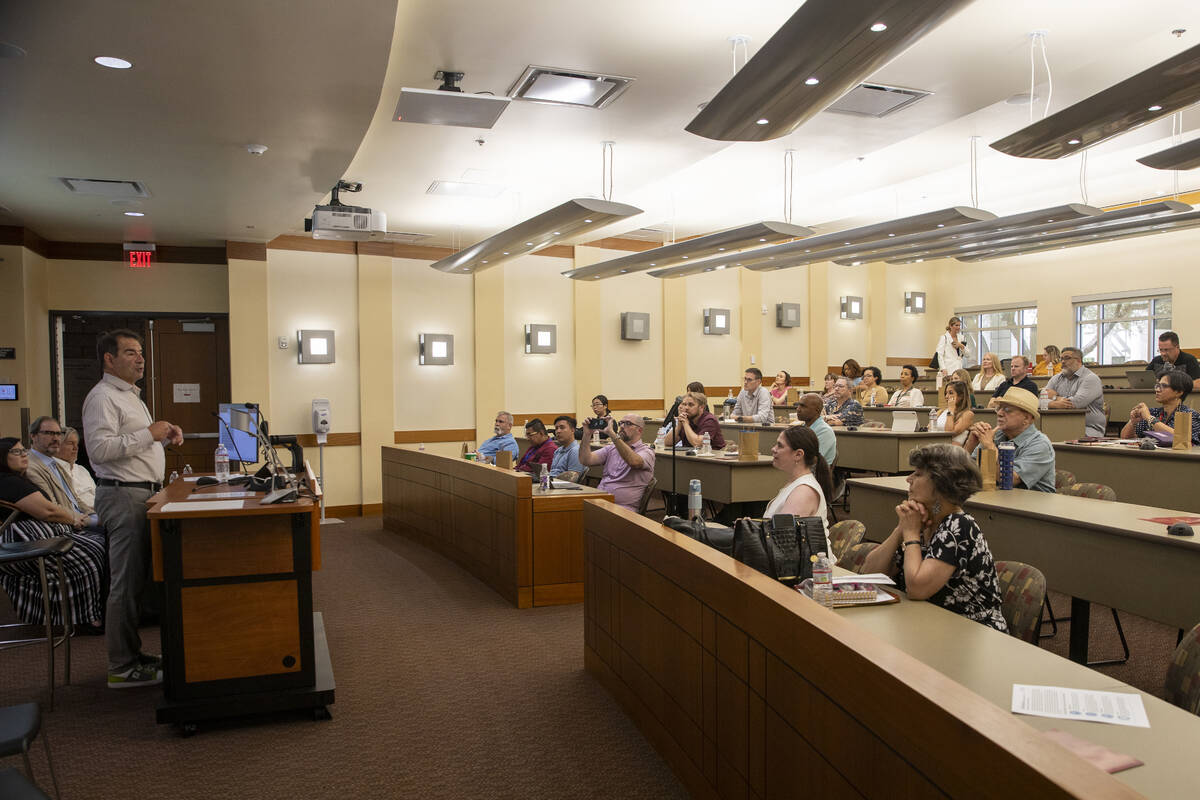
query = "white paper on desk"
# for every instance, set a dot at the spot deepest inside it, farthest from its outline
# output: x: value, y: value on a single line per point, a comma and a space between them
x: 873, y: 577
x: 1057, y: 702
x: 192, y: 498
x: 191, y: 478
x: 202, y: 505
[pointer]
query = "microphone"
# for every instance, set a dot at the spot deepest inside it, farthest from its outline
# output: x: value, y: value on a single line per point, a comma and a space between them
x: 232, y: 440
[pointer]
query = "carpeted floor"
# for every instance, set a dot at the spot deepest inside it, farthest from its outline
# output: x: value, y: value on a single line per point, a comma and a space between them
x: 443, y: 691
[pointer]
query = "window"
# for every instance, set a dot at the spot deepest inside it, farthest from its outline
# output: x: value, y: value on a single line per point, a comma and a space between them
x: 1121, y: 329
x: 1004, y: 331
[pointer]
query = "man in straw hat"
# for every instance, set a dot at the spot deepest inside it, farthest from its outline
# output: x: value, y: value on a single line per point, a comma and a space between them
x: 1033, y: 464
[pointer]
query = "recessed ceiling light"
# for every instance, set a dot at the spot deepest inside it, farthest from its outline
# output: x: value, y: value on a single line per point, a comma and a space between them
x: 1072, y: 141
x: 134, y: 214
x: 1155, y: 107
x: 941, y: 224
x: 112, y: 62
x: 879, y: 26
x: 529, y: 244
x: 722, y: 249
x: 762, y: 121
x: 587, y: 220
x: 506, y: 252
x: 687, y: 256
x: 556, y: 233
x: 812, y: 81
x: 762, y: 240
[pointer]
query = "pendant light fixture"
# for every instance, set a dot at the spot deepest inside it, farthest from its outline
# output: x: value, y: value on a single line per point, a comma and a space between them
x: 1147, y: 96
x: 572, y: 218
x: 1180, y: 157
x: 823, y: 51
x: 807, y: 251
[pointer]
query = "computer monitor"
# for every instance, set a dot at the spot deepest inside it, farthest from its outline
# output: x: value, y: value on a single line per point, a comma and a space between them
x: 237, y: 428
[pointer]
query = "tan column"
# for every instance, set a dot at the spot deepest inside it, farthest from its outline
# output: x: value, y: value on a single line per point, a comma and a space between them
x: 490, y: 384
x: 249, y: 323
x: 750, y: 290
x: 819, y: 310
x: 376, y: 363
x: 674, y: 301
x: 877, y: 301
x: 588, y: 342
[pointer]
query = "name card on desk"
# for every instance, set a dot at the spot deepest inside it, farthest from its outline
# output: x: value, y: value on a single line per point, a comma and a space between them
x: 504, y: 459
x: 202, y: 505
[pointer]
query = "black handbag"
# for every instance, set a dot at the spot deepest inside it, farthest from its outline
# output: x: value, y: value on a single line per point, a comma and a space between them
x: 781, y: 546
x: 718, y: 537
x: 933, y: 362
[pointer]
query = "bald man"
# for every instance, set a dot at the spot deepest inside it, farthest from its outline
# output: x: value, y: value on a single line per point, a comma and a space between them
x: 809, y: 410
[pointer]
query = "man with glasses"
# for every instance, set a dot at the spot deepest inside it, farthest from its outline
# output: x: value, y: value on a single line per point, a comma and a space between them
x: 46, y: 435
x: 628, y: 462
x: 1171, y: 357
x: 503, y: 440
x: 1033, y: 461
x: 1078, y: 387
x: 754, y: 401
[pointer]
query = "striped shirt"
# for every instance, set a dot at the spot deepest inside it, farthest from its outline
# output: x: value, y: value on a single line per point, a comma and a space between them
x: 116, y: 427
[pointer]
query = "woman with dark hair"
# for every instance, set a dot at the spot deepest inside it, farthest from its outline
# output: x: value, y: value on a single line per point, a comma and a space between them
x: 1171, y: 389
x: 851, y: 371
x: 871, y: 391
x: 779, y: 389
x: 798, y: 453
x: 40, y: 518
x: 937, y: 551
x: 907, y: 396
x: 957, y: 417
x: 601, y: 413
x: 830, y: 390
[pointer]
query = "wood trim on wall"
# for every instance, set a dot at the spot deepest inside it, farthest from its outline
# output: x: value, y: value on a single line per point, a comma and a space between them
x: 519, y: 420
x: 900, y: 362
x: 307, y: 244
x: 615, y: 243
x: 635, y: 405
x: 23, y: 237
x: 445, y: 435
x: 246, y: 251
x: 108, y: 251
x: 556, y: 251
x: 420, y: 252
x: 335, y: 439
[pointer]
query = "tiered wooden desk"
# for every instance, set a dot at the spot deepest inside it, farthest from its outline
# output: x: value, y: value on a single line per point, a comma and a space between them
x: 1057, y: 423
x: 1095, y: 551
x: 748, y: 689
x: 1161, y: 477
x: 238, y: 628
x: 526, y: 545
x: 723, y: 479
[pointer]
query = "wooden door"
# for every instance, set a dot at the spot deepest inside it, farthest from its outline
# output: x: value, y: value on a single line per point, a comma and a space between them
x: 190, y: 378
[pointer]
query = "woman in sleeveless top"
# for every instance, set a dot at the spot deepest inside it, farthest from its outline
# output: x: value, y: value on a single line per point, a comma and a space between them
x: 957, y: 417
x: 798, y: 453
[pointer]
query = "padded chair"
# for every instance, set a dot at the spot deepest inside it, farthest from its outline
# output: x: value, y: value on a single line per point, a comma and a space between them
x: 856, y: 556
x: 644, y: 503
x: 583, y: 476
x: 844, y: 535
x: 1022, y: 595
x: 1183, y: 673
x: 19, y: 726
x: 1062, y: 479
x: 1096, y: 491
x: 15, y: 786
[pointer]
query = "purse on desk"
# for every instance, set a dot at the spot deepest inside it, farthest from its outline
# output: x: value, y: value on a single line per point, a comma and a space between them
x: 718, y: 537
x: 780, y: 546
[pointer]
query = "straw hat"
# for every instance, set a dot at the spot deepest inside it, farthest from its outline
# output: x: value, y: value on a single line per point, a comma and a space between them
x: 1022, y: 399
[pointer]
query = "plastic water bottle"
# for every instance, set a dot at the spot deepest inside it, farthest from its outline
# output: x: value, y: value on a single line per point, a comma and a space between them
x: 660, y: 439
x: 822, y: 577
x: 187, y: 469
x: 544, y: 479
x: 933, y: 415
x: 705, y: 444
x: 221, y: 457
x: 1043, y: 400
x: 695, y: 500
x: 1004, y: 465
x: 174, y: 477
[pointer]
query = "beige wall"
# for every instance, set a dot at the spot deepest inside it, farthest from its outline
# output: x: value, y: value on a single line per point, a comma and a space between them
x: 712, y: 360
x: 784, y: 348
x: 113, y: 286
x: 535, y: 292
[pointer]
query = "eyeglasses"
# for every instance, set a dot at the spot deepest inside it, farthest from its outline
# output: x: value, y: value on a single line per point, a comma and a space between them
x: 18, y: 452
x: 49, y: 433
x: 1158, y: 386
x: 626, y: 422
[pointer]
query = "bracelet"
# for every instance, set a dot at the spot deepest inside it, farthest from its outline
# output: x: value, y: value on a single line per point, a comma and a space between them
x: 912, y: 541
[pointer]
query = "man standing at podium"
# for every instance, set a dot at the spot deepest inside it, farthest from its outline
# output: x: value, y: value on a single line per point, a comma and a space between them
x: 125, y: 445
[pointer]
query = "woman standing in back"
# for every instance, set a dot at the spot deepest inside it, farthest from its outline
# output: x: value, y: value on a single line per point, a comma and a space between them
x: 951, y: 350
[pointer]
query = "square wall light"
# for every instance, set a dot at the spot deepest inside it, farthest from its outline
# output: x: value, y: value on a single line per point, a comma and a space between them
x: 541, y: 338
x: 436, y: 348
x: 635, y: 325
x: 914, y: 302
x: 716, y: 321
x: 852, y: 307
x: 787, y: 315
x: 316, y: 347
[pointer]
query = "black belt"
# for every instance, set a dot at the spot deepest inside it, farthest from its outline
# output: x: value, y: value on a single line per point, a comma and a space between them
x: 147, y: 485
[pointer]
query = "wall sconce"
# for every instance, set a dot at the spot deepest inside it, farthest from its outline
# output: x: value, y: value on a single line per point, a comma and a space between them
x: 852, y: 307
x: 716, y: 321
x: 541, y: 338
x: 316, y: 347
x: 914, y: 302
x: 635, y: 325
x: 436, y: 348
x: 787, y: 315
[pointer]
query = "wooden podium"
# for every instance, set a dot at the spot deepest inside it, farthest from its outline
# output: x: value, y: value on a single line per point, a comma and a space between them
x: 239, y: 633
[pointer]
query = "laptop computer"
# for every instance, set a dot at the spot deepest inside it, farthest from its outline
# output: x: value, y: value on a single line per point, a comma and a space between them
x: 1141, y: 378
x: 904, y: 421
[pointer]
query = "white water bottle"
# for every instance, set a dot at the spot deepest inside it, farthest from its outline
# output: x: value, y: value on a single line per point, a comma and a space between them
x: 221, y: 457
x: 695, y: 500
x: 822, y: 577
x: 544, y: 479
x: 660, y: 440
x: 1043, y: 400
x: 705, y: 444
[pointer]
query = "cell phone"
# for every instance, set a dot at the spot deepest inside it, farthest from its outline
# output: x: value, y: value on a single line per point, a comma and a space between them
x: 597, y: 424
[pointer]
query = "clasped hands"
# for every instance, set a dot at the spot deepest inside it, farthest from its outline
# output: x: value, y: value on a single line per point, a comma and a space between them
x: 166, y: 432
x: 984, y: 433
x: 914, y: 518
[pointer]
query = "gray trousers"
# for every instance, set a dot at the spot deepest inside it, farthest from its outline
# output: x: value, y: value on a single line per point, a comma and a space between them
x: 122, y: 511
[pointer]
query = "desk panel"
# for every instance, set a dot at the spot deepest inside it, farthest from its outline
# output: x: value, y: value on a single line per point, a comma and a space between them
x: 1161, y: 477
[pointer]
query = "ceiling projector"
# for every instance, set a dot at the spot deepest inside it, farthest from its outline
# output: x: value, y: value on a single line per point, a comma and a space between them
x: 344, y: 222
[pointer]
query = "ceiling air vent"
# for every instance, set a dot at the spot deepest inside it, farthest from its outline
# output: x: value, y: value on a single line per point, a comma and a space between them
x: 98, y: 187
x: 568, y: 87
x: 876, y: 100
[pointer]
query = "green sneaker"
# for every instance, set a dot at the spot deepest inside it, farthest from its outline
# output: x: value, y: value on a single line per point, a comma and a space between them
x: 150, y: 660
x: 137, y: 675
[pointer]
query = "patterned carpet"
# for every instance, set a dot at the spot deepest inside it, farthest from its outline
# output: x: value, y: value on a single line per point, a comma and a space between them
x: 443, y: 691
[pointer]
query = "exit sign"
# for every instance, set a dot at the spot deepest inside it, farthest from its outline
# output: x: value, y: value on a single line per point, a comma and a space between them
x: 139, y: 259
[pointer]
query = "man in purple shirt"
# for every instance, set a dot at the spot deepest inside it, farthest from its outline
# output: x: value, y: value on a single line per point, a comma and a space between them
x: 541, y: 448
x: 628, y: 462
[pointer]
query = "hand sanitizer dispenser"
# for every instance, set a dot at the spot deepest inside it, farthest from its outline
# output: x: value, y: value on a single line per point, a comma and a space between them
x: 320, y: 419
